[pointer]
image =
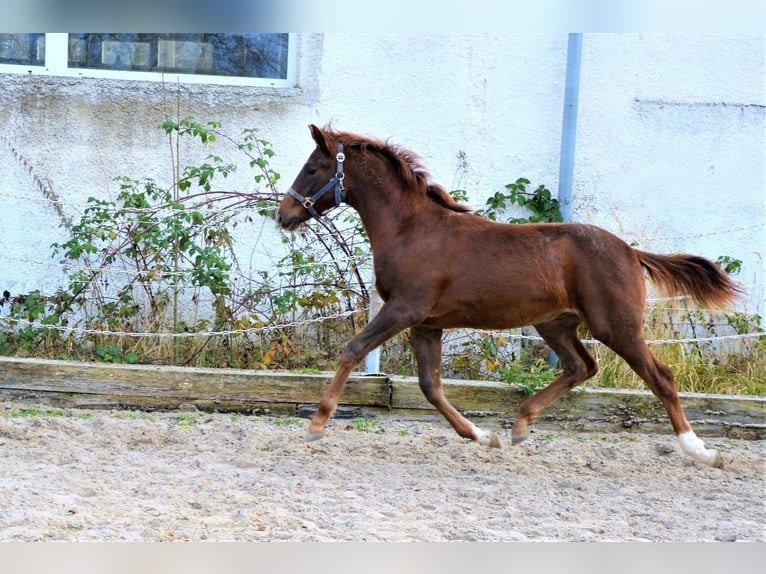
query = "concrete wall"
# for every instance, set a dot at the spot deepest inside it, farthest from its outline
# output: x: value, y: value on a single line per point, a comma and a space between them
x: 670, y: 140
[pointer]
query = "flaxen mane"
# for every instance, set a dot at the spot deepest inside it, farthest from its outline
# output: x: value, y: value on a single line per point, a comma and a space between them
x: 408, y: 166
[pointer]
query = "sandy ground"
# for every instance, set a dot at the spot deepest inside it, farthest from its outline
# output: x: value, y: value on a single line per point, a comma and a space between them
x: 121, y: 475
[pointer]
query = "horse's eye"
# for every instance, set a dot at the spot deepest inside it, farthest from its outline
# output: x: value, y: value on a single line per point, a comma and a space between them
x: 311, y: 170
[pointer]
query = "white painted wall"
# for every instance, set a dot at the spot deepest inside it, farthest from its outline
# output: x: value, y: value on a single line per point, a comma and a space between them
x: 670, y: 140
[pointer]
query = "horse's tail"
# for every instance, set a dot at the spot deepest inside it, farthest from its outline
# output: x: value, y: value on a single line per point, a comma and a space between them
x: 691, y: 275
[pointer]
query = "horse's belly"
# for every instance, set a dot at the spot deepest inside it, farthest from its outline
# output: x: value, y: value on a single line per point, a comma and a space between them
x: 507, y: 315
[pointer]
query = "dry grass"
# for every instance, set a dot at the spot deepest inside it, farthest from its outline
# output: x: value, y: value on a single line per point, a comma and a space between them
x: 730, y: 366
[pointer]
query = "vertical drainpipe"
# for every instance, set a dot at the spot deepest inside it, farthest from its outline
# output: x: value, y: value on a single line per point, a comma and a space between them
x: 569, y: 125
x: 568, y: 136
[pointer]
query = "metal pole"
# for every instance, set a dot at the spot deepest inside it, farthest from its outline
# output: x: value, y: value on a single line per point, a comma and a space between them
x: 569, y: 125
x: 568, y: 137
x: 372, y: 361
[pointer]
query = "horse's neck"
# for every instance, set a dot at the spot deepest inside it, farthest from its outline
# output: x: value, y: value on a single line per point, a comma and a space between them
x: 389, y: 211
x: 385, y: 210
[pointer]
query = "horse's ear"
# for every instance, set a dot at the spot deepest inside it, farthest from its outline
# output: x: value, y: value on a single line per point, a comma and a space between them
x: 321, y: 138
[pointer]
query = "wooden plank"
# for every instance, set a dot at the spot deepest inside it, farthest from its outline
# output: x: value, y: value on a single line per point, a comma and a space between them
x: 146, y: 403
x: 486, y: 397
x: 99, y: 385
x: 725, y: 415
x: 174, y: 384
x: 632, y: 408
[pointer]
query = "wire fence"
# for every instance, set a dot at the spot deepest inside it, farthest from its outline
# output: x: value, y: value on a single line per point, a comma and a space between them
x: 511, y: 335
x: 183, y: 335
x: 360, y: 260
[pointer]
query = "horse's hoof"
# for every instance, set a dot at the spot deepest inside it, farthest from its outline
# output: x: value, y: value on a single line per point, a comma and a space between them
x: 312, y: 436
x: 485, y: 438
x: 695, y: 448
x: 518, y: 438
x: 718, y: 461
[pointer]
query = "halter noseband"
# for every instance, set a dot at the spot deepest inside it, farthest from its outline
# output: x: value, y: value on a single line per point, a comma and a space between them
x: 336, y: 182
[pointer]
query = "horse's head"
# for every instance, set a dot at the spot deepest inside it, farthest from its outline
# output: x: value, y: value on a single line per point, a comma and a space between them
x: 319, y: 185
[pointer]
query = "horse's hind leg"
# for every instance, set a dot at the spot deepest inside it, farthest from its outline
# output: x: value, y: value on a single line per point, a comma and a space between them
x: 427, y: 345
x: 576, y: 363
x: 660, y: 379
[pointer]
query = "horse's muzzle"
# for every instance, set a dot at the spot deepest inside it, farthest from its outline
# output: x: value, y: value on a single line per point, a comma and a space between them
x: 287, y: 221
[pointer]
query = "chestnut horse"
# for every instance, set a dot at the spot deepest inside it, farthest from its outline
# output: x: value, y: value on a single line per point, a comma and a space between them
x: 439, y: 267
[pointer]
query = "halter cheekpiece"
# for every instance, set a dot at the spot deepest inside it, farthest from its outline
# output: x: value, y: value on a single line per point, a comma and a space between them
x: 336, y: 182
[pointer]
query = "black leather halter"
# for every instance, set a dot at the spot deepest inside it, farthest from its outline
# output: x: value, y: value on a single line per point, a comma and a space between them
x: 336, y: 182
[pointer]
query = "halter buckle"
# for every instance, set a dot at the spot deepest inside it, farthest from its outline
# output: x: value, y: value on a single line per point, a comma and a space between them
x: 307, y: 202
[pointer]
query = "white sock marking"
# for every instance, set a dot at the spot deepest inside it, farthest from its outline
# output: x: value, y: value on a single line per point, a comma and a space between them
x: 695, y: 448
x: 482, y: 437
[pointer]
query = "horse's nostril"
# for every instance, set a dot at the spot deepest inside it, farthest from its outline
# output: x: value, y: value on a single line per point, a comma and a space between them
x: 288, y: 223
x: 281, y: 221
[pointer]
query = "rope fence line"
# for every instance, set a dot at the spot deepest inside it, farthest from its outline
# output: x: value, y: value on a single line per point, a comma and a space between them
x: 355, y: 260
x: 538, y: 339
x: 169, y: 335
x: 652, y: 301
x: 341, y: 315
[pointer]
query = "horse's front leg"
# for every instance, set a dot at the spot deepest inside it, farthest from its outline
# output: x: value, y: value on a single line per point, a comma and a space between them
x: 427, y: 344
x: 389, y: 321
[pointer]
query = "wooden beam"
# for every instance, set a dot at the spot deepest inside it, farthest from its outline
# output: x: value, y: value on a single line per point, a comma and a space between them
x: 153, y: 386
x: 586, y: 408
x: 104, y: 385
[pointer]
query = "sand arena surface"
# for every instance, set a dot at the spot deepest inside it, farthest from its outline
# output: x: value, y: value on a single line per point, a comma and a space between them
x: 126, y: 475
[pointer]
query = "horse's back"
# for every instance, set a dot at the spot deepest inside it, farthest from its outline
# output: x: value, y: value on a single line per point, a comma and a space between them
x: 568, y: 267
x: 492, y: 275
x: 478, y: 273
